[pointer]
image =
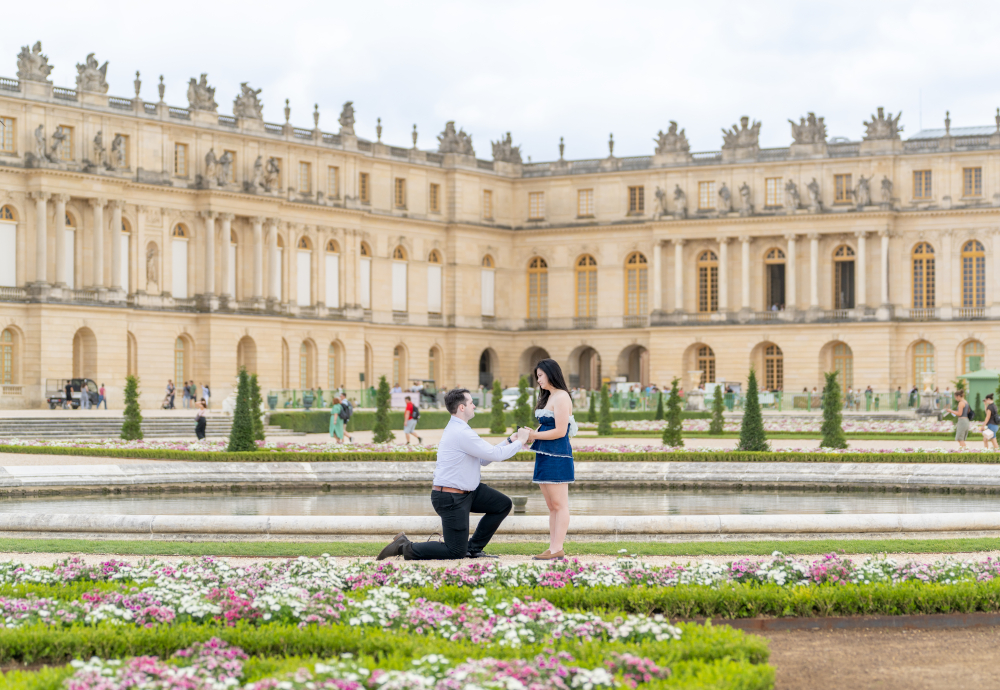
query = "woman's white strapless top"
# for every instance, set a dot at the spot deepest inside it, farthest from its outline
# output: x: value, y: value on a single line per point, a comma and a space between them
x: 571, y: 429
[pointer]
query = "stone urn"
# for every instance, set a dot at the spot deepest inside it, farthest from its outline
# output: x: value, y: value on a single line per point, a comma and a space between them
x: 307, y: 400
x: 695, y: 398
x: 520, y: 503
x: 928, y: 400
x: 272, y: 400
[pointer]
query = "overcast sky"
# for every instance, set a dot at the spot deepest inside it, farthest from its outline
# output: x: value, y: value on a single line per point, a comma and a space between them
x: 542, y: 70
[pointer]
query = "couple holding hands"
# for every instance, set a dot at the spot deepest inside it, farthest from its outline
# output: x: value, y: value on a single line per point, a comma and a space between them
x: 457, y: 490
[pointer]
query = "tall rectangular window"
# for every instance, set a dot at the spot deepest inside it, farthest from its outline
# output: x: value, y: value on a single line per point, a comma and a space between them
x: 231, y: 173
x: 399, y: 193
x: 67, y: 146
x: 706, y: 196
x: 181, y: 160
x: 585, y: 203
x: 333, y: 181
x: 841, y: 189
x: 434, y: 200
x: 772, y: 191
x: 488, y: 204
x: 636, y: 200
x: 305, y: 177
x: 7, y: 135
x: 921, y: 184
x: 972, y: 181
x: 536, y: 205
x: 364, y: 193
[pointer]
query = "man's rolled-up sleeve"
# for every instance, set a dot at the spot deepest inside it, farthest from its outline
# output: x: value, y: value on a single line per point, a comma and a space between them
x: 471, y: 444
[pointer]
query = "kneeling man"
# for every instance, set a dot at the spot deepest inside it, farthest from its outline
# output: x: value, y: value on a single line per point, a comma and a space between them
x: 457, y: 490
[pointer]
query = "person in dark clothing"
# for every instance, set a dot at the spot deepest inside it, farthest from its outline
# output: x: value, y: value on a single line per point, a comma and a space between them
x: 200, y: 420
x: 69, y: 396
x: 991, y: 424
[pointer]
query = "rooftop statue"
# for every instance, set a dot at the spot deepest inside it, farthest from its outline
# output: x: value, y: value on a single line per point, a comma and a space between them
x: 32, y: 65
x: 725, y: 199
x: 745, y: 135
x: 225, y: 169
x: 661, y: 203
x: 671, y: 141
x: 41, y: 148
x: 680, y: 201
x: 505, y: 151
x: 118, y: 153
x: 883, y: 126
x: 90, y: 77
x: 247, y: 104
x: 347, y: 118
x: 455, y: 142
x: 815, y: 202
x: 256, y: 182
x: 99, y: 149
x: 201, y: 96
x: 272, y: 175
x: 886, y: 190
x: 792, y: 199
x: 211, y: 167
x: 747, y: 207
x: 58, y: 141
x: 810, y: 130
x: 863, y: 192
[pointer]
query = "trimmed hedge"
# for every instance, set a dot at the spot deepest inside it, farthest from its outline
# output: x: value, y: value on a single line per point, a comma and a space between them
x: 430, y: 456
x: 807, y: 435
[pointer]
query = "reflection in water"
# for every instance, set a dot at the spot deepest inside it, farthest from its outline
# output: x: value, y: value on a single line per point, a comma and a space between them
x: 583, y: 501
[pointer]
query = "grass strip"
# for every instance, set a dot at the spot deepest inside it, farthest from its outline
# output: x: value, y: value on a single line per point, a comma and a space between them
x: 275, y: 549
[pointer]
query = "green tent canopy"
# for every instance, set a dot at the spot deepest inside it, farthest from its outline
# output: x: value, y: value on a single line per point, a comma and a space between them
x: 983, y: 382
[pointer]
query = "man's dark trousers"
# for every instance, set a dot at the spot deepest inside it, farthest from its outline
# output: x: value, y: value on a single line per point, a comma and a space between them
x: 454, y: 510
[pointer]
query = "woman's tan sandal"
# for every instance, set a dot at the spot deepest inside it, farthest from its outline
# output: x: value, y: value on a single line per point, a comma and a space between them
x: 549, y: 556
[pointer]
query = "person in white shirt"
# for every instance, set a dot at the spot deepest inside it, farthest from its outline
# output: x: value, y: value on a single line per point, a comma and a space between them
x: 457, y: 490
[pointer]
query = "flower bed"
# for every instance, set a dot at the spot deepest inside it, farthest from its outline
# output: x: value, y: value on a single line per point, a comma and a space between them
x: 794, y: 425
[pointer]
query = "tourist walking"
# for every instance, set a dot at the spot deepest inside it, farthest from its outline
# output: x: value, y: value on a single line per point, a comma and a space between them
x: 554, y: 470
x: 991, y: 425
x: 171, y: 390
x: 68, y: 405
x: 457, y: 490
x: 200, y: 420
x: 206, y: 395
x: 186, y: 398
x: 410, y: 417
x: 84, y: 396
x: 336, y: 421
x: 963, y: 413
x: 102, y: 397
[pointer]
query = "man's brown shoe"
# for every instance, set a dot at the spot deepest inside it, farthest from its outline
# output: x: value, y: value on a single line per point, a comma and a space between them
x: 395, y: 547
x: 549, y: 556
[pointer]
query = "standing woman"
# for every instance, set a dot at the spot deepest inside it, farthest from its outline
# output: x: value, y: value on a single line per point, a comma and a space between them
x: 336, y: 421
x: 200, y: 421
x: 553, y: 452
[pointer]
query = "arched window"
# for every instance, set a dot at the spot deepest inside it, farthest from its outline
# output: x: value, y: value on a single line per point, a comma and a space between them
x: 973, y: 274
x: 7, y: 354
x: 181, y: 365
x: 365, y: 276
x: 923, y: 276
x: 586, y: 286
x: 434, y: 282
x: 843, y: 277
x: 923, y: 360
x: 538, y: 289
x: 179, y: 261
x: 8, y: 247
x: 973, y: 353
x: 706, y: 364
x: 332, y: 265
x: 708, y: 281
x: 303, y: 272
x: 487, y: 280
x: 774, y: 368
x: 843, y: 364
x: 399, y: 277
x: 305, y: 366
x: 365, y: 251
x: 6, y: 213
x: 636, y: 285
x: 399, y: 366
x: 774, y: 273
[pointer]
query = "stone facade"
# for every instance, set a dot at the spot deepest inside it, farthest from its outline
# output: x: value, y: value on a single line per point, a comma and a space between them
x: 294, y: 250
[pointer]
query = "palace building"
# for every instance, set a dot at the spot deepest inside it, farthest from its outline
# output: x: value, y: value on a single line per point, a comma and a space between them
x: 181, y: 243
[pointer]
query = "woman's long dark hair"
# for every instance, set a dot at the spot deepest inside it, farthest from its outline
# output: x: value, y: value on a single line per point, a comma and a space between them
x: 555, y: 376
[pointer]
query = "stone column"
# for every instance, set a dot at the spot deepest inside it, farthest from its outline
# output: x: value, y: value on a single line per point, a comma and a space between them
x: 41, y: 236
x: 209, y: 270
x: 814, y: 271
x: 861, y: 272
x: 790, y: 296
x: 226, y: 232
x: 258, y: 256
x: 723, y: 274
x: 319, y: 262
x: 884, y: 234
x: 745, y: 274
x: 679, y: 275
x: 139, y: 276
x: 60, y: 230
x: 657, y: 280
x: 116, y: 244
x: 274, y: 270
x: 97, y: 258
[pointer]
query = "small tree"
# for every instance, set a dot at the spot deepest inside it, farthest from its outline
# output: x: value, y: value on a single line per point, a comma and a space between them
x: 752, y: 437
x: 960, y: 385
x: 498, y: 421
x: 718, y: 424
x: 522, y: 410
x: 832, y: 432
x: 256, y: 405
x: 659, y: 406
x: 381, y: 431
x: 996, y: 395
x: 592, y: 412
x: 241, y: 436
x: 980, y: 413
x: 132, y: 426
x: 672, y: 432
x: 604, y: 421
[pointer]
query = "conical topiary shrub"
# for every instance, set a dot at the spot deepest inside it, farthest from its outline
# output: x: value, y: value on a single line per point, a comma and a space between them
x: 241, y: 436
x: 752, y: 437
x: 498, y: 420
x: 522, y: 410
x: 978, y: 411
x: 592, y: 412
x: 718, y: 424
x: 256, y: 403
x: 604, y: 421
x: 132, y: 426
x: 659, y: 406
x: 832, y: 432
x: 381, y: 431
x: 672, y: 432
